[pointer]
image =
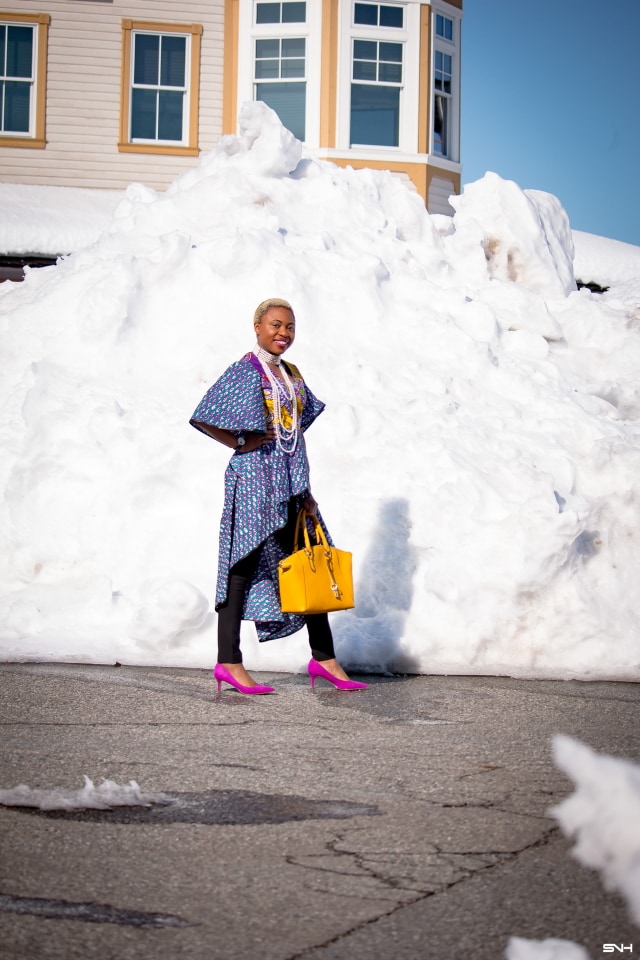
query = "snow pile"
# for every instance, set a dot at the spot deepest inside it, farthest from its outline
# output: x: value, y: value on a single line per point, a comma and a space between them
x: 604, y: 816
x: 479, y: 453
x: 105, y: 796
x: 52, y: 220
x: 603, y: 261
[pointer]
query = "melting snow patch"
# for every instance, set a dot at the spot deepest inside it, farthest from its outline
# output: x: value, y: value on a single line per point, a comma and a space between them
x: 521, y: 949
x: 105, y: 796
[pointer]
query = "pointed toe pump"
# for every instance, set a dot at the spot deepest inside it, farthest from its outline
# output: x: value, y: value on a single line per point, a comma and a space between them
x: 316, y: 670
x: 222, y: 674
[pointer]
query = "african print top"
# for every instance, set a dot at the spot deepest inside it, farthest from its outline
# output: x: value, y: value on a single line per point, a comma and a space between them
x: 258, y: 485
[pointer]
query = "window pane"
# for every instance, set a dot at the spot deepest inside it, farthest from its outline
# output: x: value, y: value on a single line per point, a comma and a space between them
x: 268, y: 13
x: 3, y: 38
x: 365, y: 50
x: 170, y: 119
x: 391, y: 17
x: 364, y: 70
x: 391, y: 52
x: 172, y: 64
x: 292, y: 68
x: 375, y: 115
x: 289, y: 102
x: 440, y: 124
x: 444, y: 27
x: 267, y: 48
x: 366, y: 13
x: 267, y: 69
x: 438, y: 60
x: 16, y: 107
x: 146, y: 58
x: 294, y: 12
x: 19, y: 51
x: 390, y: 73
x: 447, y: 63
x: 293, y: 47
x: 143, y: 114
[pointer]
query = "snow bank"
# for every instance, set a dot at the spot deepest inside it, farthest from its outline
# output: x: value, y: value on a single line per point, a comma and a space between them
x: 105, y: 796
x: 479, y: 453
x: 52, y: 220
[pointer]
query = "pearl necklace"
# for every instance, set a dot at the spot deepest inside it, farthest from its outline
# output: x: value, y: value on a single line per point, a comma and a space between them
x: 265, y: 357
x: 286, y: 437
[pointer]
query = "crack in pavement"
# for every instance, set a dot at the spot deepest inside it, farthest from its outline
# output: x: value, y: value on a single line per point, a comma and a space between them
x: 499, y: 859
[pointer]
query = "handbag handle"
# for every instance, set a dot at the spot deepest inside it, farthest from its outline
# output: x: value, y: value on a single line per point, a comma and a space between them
x: 321, y: 540
x: 318, y: 532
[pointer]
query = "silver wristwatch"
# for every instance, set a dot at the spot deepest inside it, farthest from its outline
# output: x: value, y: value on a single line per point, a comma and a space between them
x: 241, y: 440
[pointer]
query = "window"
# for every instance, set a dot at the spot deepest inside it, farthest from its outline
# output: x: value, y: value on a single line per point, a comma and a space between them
x: 444, y: 27
x: 286, y: 12
x: 376, y: 75
x: 280, y: 62
x: 442, y: 104
x: 23, y: 50
x: 443, y: 87
x: 378, y: 15
x: 161, y: 66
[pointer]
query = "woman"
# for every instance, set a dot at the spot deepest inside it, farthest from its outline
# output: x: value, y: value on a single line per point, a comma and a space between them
x: 260, y: 407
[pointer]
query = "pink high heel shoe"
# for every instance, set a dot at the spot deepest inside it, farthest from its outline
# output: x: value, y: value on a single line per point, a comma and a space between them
x: 316, y: 670
x: 221, y: 673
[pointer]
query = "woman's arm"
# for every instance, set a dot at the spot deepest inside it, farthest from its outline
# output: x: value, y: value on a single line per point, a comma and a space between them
x: 229, y: 439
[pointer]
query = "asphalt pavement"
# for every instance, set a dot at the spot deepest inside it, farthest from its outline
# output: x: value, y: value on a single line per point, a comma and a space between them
x: 405, y: 822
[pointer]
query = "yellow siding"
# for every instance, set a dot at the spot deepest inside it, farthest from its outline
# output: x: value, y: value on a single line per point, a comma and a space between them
x: 83, y: 86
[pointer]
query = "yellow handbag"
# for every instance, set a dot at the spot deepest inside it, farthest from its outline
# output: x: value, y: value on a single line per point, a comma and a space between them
x: 315, y: 579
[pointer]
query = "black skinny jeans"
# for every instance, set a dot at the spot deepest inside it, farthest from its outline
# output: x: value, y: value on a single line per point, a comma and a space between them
x: 230, y: 612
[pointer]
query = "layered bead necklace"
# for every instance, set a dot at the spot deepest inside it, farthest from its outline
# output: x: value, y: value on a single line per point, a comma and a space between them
x: 282, y: 390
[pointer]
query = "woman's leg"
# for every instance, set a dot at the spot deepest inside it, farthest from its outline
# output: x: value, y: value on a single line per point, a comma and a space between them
x: 320, y: 637
x: 230, y: 614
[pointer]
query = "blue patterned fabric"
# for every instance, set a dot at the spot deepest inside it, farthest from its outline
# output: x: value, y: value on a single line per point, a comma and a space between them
x: 257, y: 486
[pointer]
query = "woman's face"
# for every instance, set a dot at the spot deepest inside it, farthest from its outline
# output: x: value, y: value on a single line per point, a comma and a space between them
x: 276, y: 330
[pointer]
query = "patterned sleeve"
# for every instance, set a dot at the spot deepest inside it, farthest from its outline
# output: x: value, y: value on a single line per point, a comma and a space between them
x: 312, y: 408
x: 235, y: 402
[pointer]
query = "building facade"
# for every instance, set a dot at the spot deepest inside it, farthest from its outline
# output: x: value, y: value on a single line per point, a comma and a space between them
x: 98, y: 93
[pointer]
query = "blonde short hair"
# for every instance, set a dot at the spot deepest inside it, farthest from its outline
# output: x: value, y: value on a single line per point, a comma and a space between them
x: 262, y: 308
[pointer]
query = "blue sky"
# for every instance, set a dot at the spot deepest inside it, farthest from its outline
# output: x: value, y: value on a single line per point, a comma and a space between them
x: 551, y: 99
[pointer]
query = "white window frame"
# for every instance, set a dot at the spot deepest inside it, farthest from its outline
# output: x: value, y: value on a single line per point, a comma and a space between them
x: 409, y: 37
x: 249, y: 31
x: 185, y: 90
x: 452, y: 49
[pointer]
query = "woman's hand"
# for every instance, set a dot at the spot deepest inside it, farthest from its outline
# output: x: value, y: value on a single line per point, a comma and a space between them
x: 255, y: 440
x: 310, y: 505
